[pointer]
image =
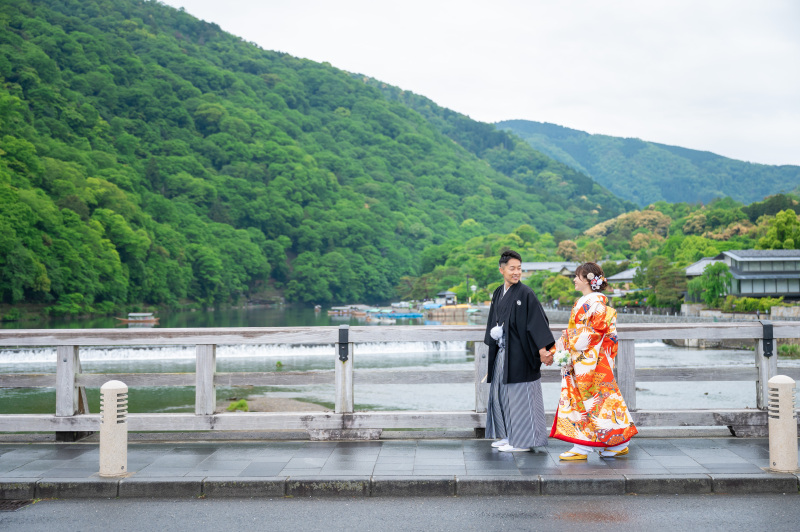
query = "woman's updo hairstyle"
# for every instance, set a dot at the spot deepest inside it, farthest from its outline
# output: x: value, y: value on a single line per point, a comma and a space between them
x: 593, y: 273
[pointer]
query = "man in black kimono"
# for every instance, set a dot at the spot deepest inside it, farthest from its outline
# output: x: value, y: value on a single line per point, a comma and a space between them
x: 519, y: 339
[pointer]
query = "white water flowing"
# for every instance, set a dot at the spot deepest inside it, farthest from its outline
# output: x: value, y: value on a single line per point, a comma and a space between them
x: 160, y: 353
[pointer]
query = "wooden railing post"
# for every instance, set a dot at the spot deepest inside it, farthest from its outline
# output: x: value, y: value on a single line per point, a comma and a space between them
x: 481, y: 351
x: 205, y: 398
x: 66, y: 386
x: 625, y: 367
x: 70, y: 398
x: 344, y: 372
x: 481, y: 371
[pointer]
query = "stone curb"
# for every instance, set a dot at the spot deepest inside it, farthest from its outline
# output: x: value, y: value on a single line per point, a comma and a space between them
x: 76, y: 488
x: 396, y: 486
x: 754, y: 483
x: 167, y: 488
x: 244, y: 487
x: 675, y: 484
x: 496, y: 485
x: 583, y: 485
x: 416, y: 486
x: 20, y: 489
x: 328, y: 486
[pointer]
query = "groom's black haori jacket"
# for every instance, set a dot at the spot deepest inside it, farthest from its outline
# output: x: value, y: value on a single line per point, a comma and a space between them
x: 527, y: 331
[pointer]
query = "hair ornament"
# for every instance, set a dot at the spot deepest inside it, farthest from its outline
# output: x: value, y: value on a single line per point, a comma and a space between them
x: 590, y: 276
x: 596, y: 282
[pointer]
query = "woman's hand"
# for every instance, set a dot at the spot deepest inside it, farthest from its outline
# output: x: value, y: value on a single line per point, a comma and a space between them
x: 546, y: 356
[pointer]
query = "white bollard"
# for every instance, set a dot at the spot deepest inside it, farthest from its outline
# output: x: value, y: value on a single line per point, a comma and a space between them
x: 113, y: 429
x: 782, y: 424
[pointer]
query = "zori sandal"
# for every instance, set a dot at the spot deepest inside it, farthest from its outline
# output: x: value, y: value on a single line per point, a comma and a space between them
x: 511, y: 449
x: 608, y: 453
x: 572, y: 456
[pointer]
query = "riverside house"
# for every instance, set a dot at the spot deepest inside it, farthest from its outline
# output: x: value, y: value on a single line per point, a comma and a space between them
x: 764, y: 272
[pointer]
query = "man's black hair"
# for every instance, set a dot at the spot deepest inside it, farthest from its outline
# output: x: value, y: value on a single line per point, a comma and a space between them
x: 508, y: 255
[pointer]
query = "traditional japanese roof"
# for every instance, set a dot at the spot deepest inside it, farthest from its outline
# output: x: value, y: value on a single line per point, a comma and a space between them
x: 763, y: 254
x: 553, y: 267
x: 623, y: 276
x: 696, y: 269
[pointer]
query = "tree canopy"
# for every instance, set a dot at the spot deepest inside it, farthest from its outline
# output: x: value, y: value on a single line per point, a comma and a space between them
x: 151, y: 157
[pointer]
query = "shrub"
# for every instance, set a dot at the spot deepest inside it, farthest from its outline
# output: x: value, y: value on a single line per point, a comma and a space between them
x: 750, y: 304
x: 12, y: 315
x: 241, y: 404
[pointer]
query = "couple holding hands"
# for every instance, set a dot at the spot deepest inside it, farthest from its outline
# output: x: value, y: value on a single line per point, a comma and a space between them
x: 591, y: 413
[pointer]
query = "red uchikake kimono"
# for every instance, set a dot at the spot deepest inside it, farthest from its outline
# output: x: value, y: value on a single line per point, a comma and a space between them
x: 591, y: 410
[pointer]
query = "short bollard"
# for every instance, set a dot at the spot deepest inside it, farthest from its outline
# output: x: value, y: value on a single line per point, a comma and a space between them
x: 782, y: 424
x: 113, y: 429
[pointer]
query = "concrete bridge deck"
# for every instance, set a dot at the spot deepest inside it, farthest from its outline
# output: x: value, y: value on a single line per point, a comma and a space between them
x: 390, y: 467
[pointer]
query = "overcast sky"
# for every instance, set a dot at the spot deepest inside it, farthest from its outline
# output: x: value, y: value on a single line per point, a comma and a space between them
x: 716, y: 75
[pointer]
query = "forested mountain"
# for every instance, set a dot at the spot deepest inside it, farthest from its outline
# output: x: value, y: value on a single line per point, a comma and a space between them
x: 646, y: 172
x: 151, y: 157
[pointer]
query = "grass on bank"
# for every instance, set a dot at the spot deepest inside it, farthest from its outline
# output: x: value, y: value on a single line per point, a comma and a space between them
x: 789, y: 351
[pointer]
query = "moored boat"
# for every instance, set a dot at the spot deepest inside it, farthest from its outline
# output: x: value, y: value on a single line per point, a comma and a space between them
x: 139, y: 317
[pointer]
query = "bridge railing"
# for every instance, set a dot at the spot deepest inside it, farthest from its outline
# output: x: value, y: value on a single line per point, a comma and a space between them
x: 71, y: 409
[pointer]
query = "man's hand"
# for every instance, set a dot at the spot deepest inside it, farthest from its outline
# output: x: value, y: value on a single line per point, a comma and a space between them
x: 546, y: 356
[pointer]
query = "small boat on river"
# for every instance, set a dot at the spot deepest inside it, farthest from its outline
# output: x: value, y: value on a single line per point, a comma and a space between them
x: 139, y: 318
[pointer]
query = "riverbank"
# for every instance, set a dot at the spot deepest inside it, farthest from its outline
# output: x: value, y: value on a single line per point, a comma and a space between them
x: 260, y: 403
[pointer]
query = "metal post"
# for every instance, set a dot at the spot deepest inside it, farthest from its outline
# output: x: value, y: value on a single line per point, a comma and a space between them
x: 782, y: 424
x: 344, y: 372
x: 766, y: 364
x: 113, y: 429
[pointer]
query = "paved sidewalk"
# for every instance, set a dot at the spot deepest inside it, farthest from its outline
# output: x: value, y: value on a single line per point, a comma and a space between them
x: 388, y: 468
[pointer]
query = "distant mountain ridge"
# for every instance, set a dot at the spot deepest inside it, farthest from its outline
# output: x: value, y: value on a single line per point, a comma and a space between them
x: 645, y: 172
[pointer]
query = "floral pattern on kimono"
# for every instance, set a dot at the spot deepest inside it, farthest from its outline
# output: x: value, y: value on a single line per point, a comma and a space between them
x: 591, y: 410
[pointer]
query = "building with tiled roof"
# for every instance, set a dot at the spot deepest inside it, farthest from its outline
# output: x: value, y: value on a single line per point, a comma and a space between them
x: 764, y: 272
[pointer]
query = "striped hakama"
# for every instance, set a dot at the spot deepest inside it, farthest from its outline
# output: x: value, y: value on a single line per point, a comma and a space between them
x: 515, y: 410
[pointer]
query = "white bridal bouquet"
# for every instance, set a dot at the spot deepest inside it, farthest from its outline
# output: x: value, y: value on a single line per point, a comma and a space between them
x: 561, y: 357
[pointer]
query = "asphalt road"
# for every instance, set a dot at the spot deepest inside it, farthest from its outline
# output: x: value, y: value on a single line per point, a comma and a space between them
x: 631, y: 512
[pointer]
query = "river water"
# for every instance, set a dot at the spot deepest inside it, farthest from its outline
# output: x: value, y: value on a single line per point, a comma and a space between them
x: 398, y: 355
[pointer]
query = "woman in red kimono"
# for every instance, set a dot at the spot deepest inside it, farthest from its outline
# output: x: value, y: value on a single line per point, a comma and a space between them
x: 591, y: 411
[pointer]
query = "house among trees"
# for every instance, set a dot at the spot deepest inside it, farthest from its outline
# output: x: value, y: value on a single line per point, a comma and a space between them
x: 564, y: 268
x: 697, y: 269
x: 764, y: 272
x: 446, y: 298
x: 624, y: 277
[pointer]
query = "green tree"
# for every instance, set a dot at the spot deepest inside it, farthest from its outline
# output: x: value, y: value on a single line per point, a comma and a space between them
x: 560, y: 288
x: 592, y: 252
x: 712, y: 284
x: 568, y: 250
x: 783, y: 232
x: 668, y: 282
